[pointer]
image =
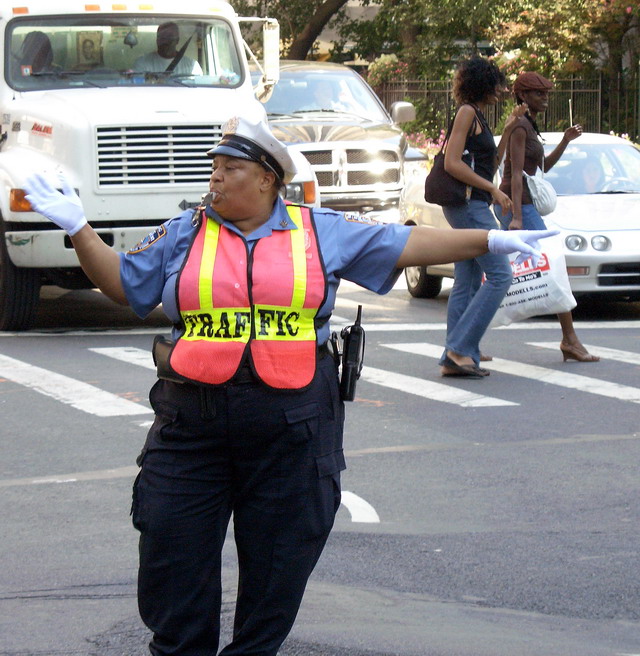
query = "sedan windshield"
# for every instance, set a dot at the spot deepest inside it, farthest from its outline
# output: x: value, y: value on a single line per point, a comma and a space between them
x: 82, y: 51
x: 596, y: 169
x: 338, y: 92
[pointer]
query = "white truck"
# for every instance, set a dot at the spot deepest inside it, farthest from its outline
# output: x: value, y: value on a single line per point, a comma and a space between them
x: 126, y: 113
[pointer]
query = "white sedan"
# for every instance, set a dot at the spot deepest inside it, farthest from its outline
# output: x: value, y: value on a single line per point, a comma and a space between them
x: 598, y: 213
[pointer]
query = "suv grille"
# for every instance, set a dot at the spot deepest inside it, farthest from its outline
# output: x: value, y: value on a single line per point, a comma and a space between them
x: 357, y: 170
x: 155, y: 155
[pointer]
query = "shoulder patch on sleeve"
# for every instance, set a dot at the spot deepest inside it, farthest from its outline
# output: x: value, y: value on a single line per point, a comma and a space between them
x: 356, y: 217
x: 150, y: 239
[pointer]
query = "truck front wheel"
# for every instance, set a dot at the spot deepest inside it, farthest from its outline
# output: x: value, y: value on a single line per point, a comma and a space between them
x: 19, y: 292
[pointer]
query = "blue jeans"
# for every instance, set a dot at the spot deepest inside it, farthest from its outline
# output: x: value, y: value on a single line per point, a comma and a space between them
x: 472, y: 304
x: 531, y: 219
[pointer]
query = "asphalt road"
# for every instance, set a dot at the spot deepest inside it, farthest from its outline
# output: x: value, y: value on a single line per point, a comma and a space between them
x: 480, y: 517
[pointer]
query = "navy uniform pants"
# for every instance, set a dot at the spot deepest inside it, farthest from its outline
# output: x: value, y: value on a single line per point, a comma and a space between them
x: 272, y: 460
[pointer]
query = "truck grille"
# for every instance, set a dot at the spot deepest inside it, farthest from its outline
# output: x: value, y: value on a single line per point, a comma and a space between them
x: 355, y: 169
x: 155, y: 155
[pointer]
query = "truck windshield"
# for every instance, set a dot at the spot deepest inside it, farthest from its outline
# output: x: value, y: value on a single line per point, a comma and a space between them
x: 109, y: 50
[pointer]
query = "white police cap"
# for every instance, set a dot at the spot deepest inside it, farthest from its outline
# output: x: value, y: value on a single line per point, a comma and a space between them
x: 252, y: 139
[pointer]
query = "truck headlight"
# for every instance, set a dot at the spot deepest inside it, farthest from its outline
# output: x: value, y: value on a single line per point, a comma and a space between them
x: 303, y: 193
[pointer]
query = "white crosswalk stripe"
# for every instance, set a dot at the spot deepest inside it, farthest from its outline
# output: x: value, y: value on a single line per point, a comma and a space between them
x: 93, y: 400
x: 409, y: 384
x: 430, y: 389
x: 541, y: 374
x: 128, y: 354
x: 75, y: 393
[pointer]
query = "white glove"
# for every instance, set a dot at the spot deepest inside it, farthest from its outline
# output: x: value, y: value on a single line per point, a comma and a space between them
x: 65, y: 210
x: 524, y: 241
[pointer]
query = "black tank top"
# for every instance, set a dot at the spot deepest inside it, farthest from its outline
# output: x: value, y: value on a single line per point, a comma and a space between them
x: 484, y: 151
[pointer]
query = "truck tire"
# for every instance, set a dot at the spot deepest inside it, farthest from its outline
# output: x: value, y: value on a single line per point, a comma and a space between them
x: 19, y: 292
x: 421, y: 284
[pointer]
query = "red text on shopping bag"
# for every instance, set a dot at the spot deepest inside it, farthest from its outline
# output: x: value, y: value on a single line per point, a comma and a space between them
x: 523, y: 271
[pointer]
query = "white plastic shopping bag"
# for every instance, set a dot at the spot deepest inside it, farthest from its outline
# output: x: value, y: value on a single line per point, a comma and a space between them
x: 539, y: 290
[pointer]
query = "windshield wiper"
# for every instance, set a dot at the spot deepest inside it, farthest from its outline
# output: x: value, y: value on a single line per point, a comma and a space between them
x: 165, y: 76
x: 328, y: 111
x: 618, y: 191
x: 61, y: 75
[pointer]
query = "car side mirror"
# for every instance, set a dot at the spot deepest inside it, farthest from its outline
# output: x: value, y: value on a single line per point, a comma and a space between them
x: 403, y: 112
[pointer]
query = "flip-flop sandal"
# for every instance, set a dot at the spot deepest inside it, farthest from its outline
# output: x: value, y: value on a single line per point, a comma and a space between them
x: 463, y: 370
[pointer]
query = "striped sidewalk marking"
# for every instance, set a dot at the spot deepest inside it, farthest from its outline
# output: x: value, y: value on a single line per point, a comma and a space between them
x: 540, y: 374
x: 75, y: 393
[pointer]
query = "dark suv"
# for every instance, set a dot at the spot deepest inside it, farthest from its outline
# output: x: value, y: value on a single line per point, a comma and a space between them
x: 355, y: 147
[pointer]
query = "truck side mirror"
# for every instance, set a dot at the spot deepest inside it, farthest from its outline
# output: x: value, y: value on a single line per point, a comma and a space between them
x: 270, y: 66
x: 403, y: 112
x: 271, y: 50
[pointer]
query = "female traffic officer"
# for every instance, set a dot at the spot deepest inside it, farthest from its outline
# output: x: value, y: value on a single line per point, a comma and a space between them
x: 248, y: 418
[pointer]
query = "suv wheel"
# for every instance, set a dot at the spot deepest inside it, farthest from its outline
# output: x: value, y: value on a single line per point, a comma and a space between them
x: 420, y: 284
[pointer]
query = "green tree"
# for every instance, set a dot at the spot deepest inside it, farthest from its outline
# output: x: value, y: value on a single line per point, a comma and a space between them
x: 428, y: 35
x: 616, y: 26
x: 301, y: 21
x: 557, y: 37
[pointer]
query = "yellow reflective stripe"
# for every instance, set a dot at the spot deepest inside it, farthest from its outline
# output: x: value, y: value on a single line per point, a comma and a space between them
x: 209, y: 249
x: 299, y: 258
x: 218, y: 325
x: 275, y: 323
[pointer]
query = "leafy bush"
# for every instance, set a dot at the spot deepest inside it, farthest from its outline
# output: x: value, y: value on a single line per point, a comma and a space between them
x: 428, y: 146
x: 385, y: 68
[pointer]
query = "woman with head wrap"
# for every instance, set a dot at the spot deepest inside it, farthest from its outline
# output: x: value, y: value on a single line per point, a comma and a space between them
x: 525, y: 152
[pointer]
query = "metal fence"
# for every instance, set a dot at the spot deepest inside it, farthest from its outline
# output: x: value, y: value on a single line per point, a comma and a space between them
x: 596, y: 103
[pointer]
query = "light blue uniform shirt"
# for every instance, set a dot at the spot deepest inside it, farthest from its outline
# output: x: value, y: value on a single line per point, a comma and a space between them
x: 352, y: 249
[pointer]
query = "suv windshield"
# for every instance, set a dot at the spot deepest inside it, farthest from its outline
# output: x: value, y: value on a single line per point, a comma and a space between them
x: 324, y: 91
x: 108, y: 50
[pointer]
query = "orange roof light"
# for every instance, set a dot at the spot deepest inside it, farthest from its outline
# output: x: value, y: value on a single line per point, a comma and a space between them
x: 145, y: 7
x: 119, y: 7
x: 92, y: 7
x: 21, y: 10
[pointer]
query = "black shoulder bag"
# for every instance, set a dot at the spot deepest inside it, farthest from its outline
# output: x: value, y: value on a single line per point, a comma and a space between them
x: 441, y: 188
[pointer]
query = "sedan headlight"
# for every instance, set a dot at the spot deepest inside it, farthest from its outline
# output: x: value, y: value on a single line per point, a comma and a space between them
x: 415, y: 168
x: 575, y: 243
x: 600, y: 243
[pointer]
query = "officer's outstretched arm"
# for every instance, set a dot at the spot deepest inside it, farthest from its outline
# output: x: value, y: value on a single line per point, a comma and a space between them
x: 98, y: 261
x: 427, y: 246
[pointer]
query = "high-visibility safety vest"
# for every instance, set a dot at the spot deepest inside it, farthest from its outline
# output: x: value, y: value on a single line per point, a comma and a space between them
x: 261, y: 304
